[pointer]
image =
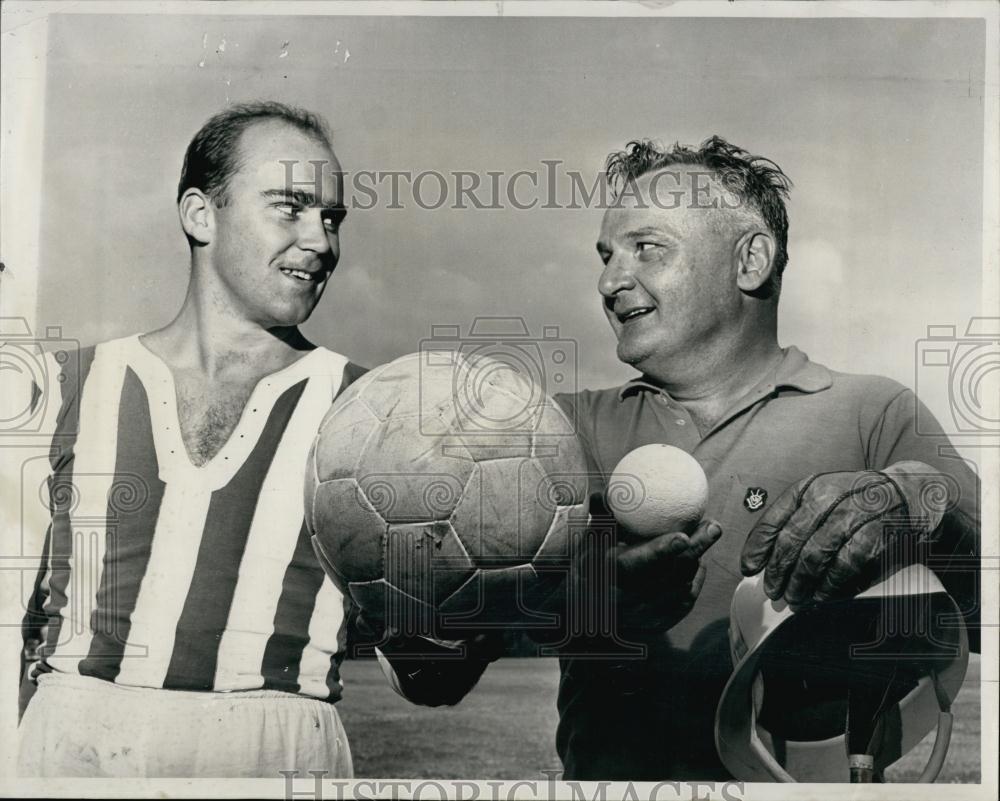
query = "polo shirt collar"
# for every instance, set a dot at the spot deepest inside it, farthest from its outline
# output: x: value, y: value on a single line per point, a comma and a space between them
x: 795, y: 372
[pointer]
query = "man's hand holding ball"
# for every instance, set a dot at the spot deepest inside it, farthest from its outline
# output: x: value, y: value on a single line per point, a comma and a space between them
x: 657, y: 494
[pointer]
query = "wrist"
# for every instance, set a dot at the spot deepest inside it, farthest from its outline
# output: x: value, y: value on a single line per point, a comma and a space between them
x: 927, y: 493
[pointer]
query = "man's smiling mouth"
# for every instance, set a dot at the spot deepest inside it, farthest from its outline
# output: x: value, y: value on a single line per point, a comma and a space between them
x: 301, y: 275
x: 632, y: 314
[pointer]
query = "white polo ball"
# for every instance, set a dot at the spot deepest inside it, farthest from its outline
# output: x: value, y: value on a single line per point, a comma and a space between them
x: 657, y: 488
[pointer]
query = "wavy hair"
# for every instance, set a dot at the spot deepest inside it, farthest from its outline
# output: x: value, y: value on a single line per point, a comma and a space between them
x: 756, y: 181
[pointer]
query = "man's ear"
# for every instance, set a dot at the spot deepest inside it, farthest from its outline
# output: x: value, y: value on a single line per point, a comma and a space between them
x: 197, y: 215
x: 754, y: 262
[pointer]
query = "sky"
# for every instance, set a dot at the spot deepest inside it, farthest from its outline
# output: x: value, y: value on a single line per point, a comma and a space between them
x: 878, y: 122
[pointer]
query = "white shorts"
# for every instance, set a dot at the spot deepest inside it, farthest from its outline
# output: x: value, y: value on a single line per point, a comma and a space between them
x: 81, y: 726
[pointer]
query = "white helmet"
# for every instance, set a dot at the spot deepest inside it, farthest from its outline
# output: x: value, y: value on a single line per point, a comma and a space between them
x: 892, y: 659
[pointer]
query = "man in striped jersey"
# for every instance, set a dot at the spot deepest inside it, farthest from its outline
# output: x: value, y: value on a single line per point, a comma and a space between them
x: 185, y: 625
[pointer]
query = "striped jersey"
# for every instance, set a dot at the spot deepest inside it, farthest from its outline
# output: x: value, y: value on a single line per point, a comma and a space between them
x: 159, y: 573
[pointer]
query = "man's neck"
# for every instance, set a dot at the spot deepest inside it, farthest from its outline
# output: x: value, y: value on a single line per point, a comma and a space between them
x: 207, y: 340
x: 708, y: 383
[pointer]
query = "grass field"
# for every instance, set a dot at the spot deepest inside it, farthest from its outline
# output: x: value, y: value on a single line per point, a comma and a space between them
x: 505, y: 728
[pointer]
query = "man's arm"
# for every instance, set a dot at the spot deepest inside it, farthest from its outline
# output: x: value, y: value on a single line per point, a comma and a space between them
x: 955, y: 548
x: 32, y: 520
x: 832, y: 535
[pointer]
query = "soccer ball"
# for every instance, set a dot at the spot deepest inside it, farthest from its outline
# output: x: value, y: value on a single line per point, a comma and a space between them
x: 443, y: 489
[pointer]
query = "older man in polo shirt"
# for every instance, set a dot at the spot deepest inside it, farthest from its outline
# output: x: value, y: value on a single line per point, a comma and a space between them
x: 805, y: 465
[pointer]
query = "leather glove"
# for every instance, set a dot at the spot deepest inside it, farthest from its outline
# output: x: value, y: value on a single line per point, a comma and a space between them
x: 832, y: 535
x: 428, y: 671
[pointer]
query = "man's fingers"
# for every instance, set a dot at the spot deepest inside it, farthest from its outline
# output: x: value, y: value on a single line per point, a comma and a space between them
x: 785, y: 551
x: 855, y: 565
x: 666, y: 548
x: 813, y: 561
x: 652, y: 553
x: 698, y: 581
x: 830, y: 509
x: 705, y: 536
x: 760, y: 541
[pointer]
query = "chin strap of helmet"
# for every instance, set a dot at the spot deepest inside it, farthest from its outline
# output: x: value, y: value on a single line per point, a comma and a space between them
x: 942, y: 739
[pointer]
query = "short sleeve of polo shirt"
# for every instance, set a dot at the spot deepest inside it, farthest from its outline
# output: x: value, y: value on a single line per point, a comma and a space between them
x: 907, y: 430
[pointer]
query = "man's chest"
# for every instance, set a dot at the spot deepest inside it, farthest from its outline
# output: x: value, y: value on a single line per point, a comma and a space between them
x: 209, y: 411
x: 749, y: 461
x: 788, y: 438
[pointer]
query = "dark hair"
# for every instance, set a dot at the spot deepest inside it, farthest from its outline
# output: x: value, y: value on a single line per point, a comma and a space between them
x: 756, y: 181
x: 213, y: 155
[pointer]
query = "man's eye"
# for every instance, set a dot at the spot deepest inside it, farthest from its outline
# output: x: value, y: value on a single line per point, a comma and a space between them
x: 289, y: 209
x: 644, y: 246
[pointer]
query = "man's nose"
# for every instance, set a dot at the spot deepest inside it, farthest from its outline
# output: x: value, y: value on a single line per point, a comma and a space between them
x: 314, y: 235
x: 616, y: 276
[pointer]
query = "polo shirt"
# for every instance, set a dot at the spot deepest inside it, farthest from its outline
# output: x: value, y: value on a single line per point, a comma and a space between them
x: 651, y: 717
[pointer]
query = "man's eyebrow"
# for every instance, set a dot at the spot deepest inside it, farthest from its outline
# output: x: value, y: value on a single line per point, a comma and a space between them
x: 648, y: 230
x: 303, y: 199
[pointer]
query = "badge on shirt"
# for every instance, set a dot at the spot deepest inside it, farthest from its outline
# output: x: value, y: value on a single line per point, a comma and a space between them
x: 755, y: 498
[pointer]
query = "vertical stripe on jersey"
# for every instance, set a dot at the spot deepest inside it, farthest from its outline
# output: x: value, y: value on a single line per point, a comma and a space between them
x: 83, y: 461
x: 281, y: 664
x: 333, y: 681
x: 161, y: 595
x: 334, y: 684
x: 276, y: 588
x: 36, y: 480
x: 223, y: 541
x: 302, y: 581
x: 324, y: 635
x: 133, y: 507
x: 60, y: 536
